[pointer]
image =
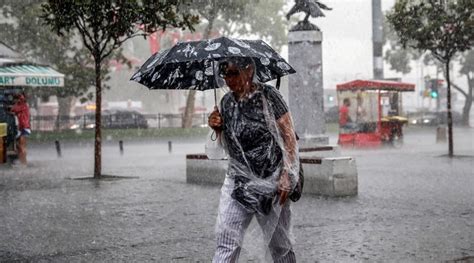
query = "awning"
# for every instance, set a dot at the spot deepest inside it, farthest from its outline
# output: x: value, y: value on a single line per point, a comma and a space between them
x: 29, y: 75
x: 375, y: 85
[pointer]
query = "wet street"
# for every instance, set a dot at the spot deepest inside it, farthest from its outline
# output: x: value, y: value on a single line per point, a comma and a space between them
x: 414, y: 204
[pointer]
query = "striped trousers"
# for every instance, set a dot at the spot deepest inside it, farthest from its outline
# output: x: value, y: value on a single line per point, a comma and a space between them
x: 233, y: 220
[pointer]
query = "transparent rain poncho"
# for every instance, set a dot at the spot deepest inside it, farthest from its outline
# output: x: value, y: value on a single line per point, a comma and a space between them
x: 260, y: 143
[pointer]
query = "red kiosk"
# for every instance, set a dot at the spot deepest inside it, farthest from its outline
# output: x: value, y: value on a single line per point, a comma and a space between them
x: 369, y: 112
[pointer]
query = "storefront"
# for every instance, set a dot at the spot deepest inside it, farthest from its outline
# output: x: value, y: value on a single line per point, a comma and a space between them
x: 14, y: 78
x: 17, y: 75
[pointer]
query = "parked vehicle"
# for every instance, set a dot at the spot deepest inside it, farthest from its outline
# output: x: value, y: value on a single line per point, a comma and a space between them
x: 113, y: 119
x: 432, y: 118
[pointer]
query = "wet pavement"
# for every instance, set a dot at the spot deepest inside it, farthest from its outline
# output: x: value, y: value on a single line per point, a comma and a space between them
x: 414, y: 204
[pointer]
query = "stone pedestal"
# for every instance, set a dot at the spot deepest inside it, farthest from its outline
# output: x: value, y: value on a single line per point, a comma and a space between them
x: 325, y: 173
x: 333, y: 176
x: 441, y: 134
x: 327, y: 176
x: 305, y: 88
x: 201, y: 170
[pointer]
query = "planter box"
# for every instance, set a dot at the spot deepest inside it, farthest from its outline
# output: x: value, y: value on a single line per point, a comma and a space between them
x: 333, y: 176
x: 329, y: 176
x: 201, y: 170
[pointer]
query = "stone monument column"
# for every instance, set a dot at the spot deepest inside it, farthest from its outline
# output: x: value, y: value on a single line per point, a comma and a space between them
x: 333, y: 176
x: 305, y: 88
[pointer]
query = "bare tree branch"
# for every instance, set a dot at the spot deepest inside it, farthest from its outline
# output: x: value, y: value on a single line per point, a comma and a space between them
x: 85, y: 41
x: 81, y: 24
x: 105, y: 44
x: 105, y: 53
x: 459, y: 89
x: 86, y: 37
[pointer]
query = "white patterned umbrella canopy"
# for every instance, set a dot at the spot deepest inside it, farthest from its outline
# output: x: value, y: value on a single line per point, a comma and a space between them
x: 190, y: 65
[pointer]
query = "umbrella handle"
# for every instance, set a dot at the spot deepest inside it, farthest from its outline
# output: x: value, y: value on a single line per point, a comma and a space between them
x: 213, y: 136
x: 215, y: 96
x: 215, y: 82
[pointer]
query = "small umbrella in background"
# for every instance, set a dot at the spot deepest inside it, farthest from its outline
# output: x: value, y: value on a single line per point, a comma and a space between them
x: 192, y: 65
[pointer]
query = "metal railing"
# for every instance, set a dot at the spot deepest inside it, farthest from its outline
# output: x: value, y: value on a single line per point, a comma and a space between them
x: 156, y: 121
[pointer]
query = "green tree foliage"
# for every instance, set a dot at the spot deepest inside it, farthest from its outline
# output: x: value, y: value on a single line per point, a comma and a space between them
x: 263, y: 18
x: 104, y: 26
x: 400, y: 58
x: 397, y: 56
x: 23, y: 30
x: 444, y: 28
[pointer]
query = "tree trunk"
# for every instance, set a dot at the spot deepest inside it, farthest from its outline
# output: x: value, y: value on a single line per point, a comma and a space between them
x: 189, y: 110
x: 466, y: 110
x: 468, y: 96
x: 98, y: 110
x: 450, y: 117
x: 64, y: 111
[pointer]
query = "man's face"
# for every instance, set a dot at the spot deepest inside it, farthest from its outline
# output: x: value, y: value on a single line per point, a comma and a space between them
x: 236, y: 78
x: 19, y: 98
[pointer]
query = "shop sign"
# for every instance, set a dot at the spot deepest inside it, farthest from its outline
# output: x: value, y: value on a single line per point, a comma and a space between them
x: 43, y: 81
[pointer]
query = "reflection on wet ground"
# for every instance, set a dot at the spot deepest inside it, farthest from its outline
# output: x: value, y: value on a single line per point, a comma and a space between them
x: 413, y: 205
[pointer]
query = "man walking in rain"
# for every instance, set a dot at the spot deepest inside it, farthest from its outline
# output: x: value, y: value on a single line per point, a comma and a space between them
x: 256, y: 130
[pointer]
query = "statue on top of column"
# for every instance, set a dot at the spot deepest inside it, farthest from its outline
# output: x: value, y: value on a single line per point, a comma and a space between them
x: 311, y: 8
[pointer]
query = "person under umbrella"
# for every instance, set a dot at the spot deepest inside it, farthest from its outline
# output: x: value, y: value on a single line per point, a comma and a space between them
x: 255, y: 128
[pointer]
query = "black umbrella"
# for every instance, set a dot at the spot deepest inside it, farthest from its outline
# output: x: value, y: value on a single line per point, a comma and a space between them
x: 191, y: 65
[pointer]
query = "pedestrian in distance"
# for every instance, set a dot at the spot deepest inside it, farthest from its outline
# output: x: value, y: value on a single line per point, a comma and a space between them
x: 21, y: 110
x: 345, y: 120
x: 255, y: 128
